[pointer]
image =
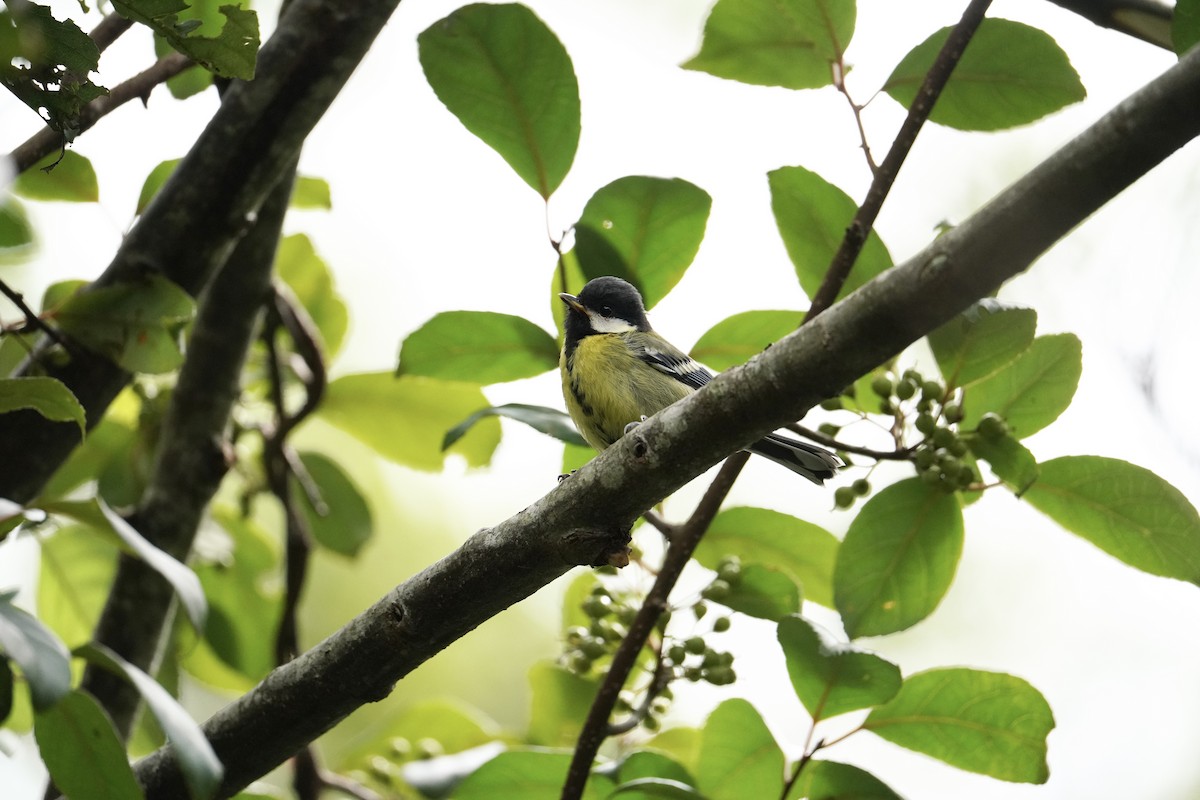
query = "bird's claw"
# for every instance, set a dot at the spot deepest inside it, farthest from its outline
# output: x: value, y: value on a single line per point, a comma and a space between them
x: 632, y: 425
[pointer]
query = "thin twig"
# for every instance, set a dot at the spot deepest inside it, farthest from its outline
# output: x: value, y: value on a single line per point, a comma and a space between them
x: 839, y: 81
x: 901, y: 454
x: 47, y: 140
x: 662, y: 677
x: 679, y: 552
x: 109, y: 30
x: 31, y: 317
x: 885, y: 176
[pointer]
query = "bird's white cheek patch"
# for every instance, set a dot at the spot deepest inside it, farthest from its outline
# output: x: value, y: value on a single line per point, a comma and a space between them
x: 608, y: 324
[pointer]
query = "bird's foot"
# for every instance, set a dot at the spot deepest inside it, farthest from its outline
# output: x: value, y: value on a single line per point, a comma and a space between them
x: 633, y: 425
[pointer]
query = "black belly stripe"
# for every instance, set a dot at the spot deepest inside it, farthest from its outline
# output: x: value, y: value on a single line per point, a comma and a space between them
x: 581, y: 398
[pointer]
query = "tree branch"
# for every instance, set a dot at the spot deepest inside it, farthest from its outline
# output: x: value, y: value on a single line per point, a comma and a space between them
x: 885, y: 176
x: 48, y: 140
x: 580, y: 517
x: 1148, y: 20
x: 204, y: 208
x: 191, y: 458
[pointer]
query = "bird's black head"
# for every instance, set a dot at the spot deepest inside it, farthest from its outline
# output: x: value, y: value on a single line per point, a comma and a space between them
x: 606, y: 305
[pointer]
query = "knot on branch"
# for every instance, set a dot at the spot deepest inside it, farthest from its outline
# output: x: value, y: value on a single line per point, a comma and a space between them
x: 596, y: 547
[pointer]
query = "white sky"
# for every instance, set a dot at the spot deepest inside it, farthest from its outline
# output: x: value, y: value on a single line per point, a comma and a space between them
x: 427, y: 218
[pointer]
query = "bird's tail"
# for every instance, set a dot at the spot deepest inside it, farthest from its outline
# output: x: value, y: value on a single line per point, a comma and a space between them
x: 810, y: 461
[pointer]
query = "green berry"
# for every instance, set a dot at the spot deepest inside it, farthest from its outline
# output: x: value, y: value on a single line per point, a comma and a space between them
x: 829, y: 429
x: 883, y: 386
x: 958, y: 447
x: 626, y: 613
x: 925, y: 423
x: 924, y: 458
x: 731, y: 572
x: 401, y: 748
x: 693, y: 674
x: 651, y: 724
x: 428, y: 748
x: 659, y: 706
x: 593, y: 647
x: 912, y: 376
x: 575, y: 634
x: 953, y: 412
x: 844, y: 496
x: 992, y: 427
x: 695, y: 645
x: 717, y: 590
x: 943, y: 437
x: 932, y: 390
x: 699, y: 609
x: 932, y: 477
x: 597, y: 606
x: 886, y: 407
x: 905, y: 389
x: 832, y: 404
x: 711, y: 658
x: 676, y: 654
x: 721, y: 624
x: 720, y: 676
x: 579, y: 664
x: 861, y: 487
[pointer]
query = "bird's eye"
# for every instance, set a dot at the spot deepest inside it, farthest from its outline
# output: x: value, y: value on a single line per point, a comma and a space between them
x: 606, y: 311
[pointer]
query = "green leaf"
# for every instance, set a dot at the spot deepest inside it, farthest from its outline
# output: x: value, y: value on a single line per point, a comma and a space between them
x: 91, y: 459
x: 310, y: 192
x: 455, y: 725
x: 137, y: 324
x: 75, y: 578
x: 194, y: 79
x: 202, y: 770
x: 1010, y: 74
x: 982, y: 340
x: 72, y: 179
x: 309, y: 277
x: 549, y: 421
x: 343, y: 524
x: 154, y: 182
x: 49, y: 397
x: 404, y: 419
x: 656, y: 789
x: 16, y: 234
x: 1009, y: 459
x: 898, y: 558
x: 478, y: 347
x: 652, y: 764
x: 812, y: 215
x: 231, y: 53
x: 85, y: 758
x: 1033, y: 389
x: 1185, y: 25
x: 561, y: 701
x: 831, y: 678
x: 244, y: 603
x: 509, y: 80
x: 804, y: 551
x: 738, y: 755
x: 645, y: 230
x: 41, y: 656
x: 792, y: 43
x: 1125, y: 510
x: 681, y: 744
x: 526, y: 775
x: 45, y: 63
x: 830, y: 780
x: 985, y: 722
x: 764, y: 592
x: 575, y: 456
x: 739, y: 338
x: 103, y: 520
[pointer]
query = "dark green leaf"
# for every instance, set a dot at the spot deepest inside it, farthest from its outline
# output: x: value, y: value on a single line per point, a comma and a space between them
x: 45, y: 62
x: 804, y: 551
x: 653, y: 764
x: 41, y: 656
x: 1009, y: 459
x: 1185, y: 25
x: 343, y: 523
x: 831, y: 678
x: 103, y: 520
x: 792, y: 43
x: 561, y: 700
x: 58, y: 293
x: 478, y: 347
x: 404, y: 419
x: 202, y: 770
x: 645, y: 230
x: 154, y: 182
x: 309, y: 277
x: 509, y: 80
x: 85, y: 758
x: 898, y: 558
x: 16, y: 234
x: 1033, y: 389
x: 194, y: 79
x: 526, y: 775
x: 549, y: 421
x: 49, y: 397
x: 738, y: 755
x: 11, y: 515
x: 310, y: 192
x: 812, y: 215
x: 764, y: 592
x: 739, y: 338
x: 1010, y: 74
x: 985, y: 722
x: 655, y: 788
x: 981, y: 340
x: 231, y: 53
x: 137, y: 324
x: 830, y: 780
x: 72, y: 179
x: 199, y: 16
x: 1125, y: 510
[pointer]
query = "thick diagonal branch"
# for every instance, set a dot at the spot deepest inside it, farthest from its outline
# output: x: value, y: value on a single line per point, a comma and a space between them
x: 500, y: 566
x: 208, y: 203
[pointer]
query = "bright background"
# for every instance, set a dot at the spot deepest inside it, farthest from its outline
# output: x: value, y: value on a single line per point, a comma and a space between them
x: 427, y: 218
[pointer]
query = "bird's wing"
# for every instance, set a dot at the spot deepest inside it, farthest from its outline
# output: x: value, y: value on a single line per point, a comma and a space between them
x: 672, y: 362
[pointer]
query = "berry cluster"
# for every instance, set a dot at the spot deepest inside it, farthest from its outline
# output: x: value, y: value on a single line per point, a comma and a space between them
x: 942, y: 458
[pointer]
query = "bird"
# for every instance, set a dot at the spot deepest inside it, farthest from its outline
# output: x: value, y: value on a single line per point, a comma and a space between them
x: 617, y: 371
